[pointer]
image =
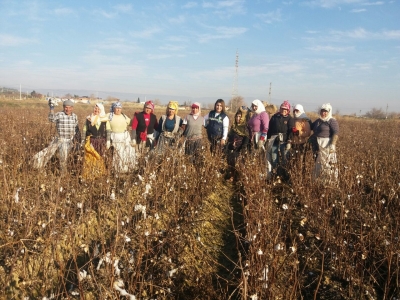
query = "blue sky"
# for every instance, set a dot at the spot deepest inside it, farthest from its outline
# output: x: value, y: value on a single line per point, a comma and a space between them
x: 346, y: 52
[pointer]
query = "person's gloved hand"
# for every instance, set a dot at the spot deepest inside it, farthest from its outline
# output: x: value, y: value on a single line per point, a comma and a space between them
x: 108, y: 145
x: 288, y: 146
x: 133, y: 143
x: 223, y: 142
x: 332, y: 149
x: 51, y: 103
x: 260, y: 144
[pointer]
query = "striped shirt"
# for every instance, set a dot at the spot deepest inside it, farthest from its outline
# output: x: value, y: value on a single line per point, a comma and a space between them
x: 66, y: 125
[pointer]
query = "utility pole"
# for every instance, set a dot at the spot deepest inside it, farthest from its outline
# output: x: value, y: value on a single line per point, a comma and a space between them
x: 269, y: 94
x: 235, y: 80
x: 387, y: 106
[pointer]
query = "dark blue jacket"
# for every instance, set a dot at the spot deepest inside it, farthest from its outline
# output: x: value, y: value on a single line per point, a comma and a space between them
x: 215, y: 126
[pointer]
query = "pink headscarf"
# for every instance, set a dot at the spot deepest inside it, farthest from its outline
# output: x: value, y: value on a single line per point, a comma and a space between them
x: 286, y: 105
x: 196, y: 104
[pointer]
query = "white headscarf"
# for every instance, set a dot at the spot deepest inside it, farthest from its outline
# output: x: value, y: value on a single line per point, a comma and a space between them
x: 300, y: 109
x: 97, y: 119
x: 328, y: 108
x: 260, y: 106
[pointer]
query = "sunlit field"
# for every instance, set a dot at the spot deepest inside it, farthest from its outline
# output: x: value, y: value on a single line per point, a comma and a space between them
x: 176, y: 229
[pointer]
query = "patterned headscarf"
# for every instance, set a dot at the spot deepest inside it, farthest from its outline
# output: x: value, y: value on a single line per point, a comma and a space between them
x: 241, y: 127
x: 286, y: 105
x: 114, y: 105
x: 149, y: 104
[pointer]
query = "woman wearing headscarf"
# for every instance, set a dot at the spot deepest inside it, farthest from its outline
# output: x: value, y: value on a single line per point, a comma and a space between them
x: 258, y: 125
x: 169, y: 127
x: 144, y: 126
x: 325, y: 136
x: 238, y: 139
x: 280, y: 136
x: 193, y: 125
x: 124, y: 156
x: 301, y: 132
x: 217, y: 124
x: 96, y: 138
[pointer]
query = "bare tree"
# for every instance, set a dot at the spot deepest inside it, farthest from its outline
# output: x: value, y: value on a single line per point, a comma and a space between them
x: 375, y: 113
x: 112, y: 99
x: 236, y: 102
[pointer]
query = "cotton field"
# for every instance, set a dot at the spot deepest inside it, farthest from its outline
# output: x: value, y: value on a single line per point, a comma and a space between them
x: 174, y: 229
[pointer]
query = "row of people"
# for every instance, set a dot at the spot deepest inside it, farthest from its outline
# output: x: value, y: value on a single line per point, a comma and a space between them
x: 251, y: 129
x: 278, y: 134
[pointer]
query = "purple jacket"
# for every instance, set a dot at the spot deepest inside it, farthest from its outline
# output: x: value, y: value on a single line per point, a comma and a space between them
x: 258, y: 123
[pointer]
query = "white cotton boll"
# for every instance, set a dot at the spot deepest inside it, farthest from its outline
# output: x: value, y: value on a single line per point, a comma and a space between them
x: 117, y: 270
x: 259, y: 252
x: 44, y: 225
x: 147, y: 233
x: 127, y: 239
x: 172, y: 272
x: 293, y: 248
x: 278, y: 247
x: 107, y: 258
x: 156, y: 216
x: 61, y: 189
x: 82, y: 275
x: 118, y: 286
x: 112, y: 196
x: 147, y: 190
x: 254, y: 297
x: 285, y: 206
x: 140, y: 177
x: 10, y: 232
x: 265, y: 273
x: 142, y: 209
x: 79, y: 205
x: 16, y: 196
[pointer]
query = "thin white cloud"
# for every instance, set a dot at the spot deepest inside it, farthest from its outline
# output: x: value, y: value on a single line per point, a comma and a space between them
x: 63, y: 11
x: 359, y: 10
x: 12, y: 40
x: 226, y: 8
x: 114, y: 12
x: 123, y: 8
x: 223, y: 4
x: 103, y: 13
x: 177, y: 20
x: 373, y: 3
x: 190, y: 4
x: 391, y: 34
x: 175, y: 38
x: 361, y: 33
x: 117, y: 44
x: 331, y: 3
x: 270, y: 17
x: 222, y: 33
x: 330, y: 49
x: 171, y: 47
x: 158, y: 56
x: 146, y: 33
